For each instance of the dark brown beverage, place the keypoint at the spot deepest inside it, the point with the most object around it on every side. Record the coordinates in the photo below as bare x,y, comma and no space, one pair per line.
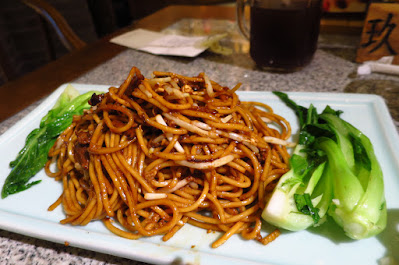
284,39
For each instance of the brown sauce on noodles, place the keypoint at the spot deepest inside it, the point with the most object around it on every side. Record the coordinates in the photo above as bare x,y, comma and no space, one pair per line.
154,154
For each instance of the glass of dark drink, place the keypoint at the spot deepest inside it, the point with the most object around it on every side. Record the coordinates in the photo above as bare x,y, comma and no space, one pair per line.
282,33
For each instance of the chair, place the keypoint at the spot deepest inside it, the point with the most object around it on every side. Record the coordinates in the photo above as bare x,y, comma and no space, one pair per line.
33,33
65,33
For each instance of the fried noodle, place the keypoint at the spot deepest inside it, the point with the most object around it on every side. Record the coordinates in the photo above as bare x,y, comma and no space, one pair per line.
154,154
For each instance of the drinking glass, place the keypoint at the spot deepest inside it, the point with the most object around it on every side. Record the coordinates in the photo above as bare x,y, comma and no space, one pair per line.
282,33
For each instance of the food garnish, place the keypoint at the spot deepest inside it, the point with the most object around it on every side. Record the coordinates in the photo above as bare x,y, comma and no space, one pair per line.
33,156
334,172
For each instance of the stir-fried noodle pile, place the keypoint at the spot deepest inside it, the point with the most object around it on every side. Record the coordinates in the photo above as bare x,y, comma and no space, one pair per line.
155,154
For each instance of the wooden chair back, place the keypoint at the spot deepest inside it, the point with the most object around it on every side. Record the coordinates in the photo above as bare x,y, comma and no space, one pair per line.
65,33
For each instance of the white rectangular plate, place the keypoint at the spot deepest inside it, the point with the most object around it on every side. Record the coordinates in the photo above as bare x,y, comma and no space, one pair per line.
26,212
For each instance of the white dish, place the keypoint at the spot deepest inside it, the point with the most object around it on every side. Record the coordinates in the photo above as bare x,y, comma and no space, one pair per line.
26,212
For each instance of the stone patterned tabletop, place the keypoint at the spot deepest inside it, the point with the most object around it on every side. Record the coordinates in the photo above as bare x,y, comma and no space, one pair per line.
332,70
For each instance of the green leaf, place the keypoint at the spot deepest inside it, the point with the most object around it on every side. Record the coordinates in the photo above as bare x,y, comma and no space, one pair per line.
298,163
301,112
329,110
359,152
305,206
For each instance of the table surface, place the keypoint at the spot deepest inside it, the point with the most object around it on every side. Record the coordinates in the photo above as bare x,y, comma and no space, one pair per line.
332,70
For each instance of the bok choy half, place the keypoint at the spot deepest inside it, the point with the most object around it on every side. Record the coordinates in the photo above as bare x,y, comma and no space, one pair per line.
33,156
333,171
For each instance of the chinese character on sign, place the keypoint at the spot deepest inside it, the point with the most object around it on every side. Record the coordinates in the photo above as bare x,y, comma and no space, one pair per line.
384,33
380,36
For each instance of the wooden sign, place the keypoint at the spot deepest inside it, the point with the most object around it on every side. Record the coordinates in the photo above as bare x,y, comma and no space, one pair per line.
380,36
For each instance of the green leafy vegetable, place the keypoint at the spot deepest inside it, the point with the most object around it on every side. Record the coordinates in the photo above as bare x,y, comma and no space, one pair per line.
33,156
337,174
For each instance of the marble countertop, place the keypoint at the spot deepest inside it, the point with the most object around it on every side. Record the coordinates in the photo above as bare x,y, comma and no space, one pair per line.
332,70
